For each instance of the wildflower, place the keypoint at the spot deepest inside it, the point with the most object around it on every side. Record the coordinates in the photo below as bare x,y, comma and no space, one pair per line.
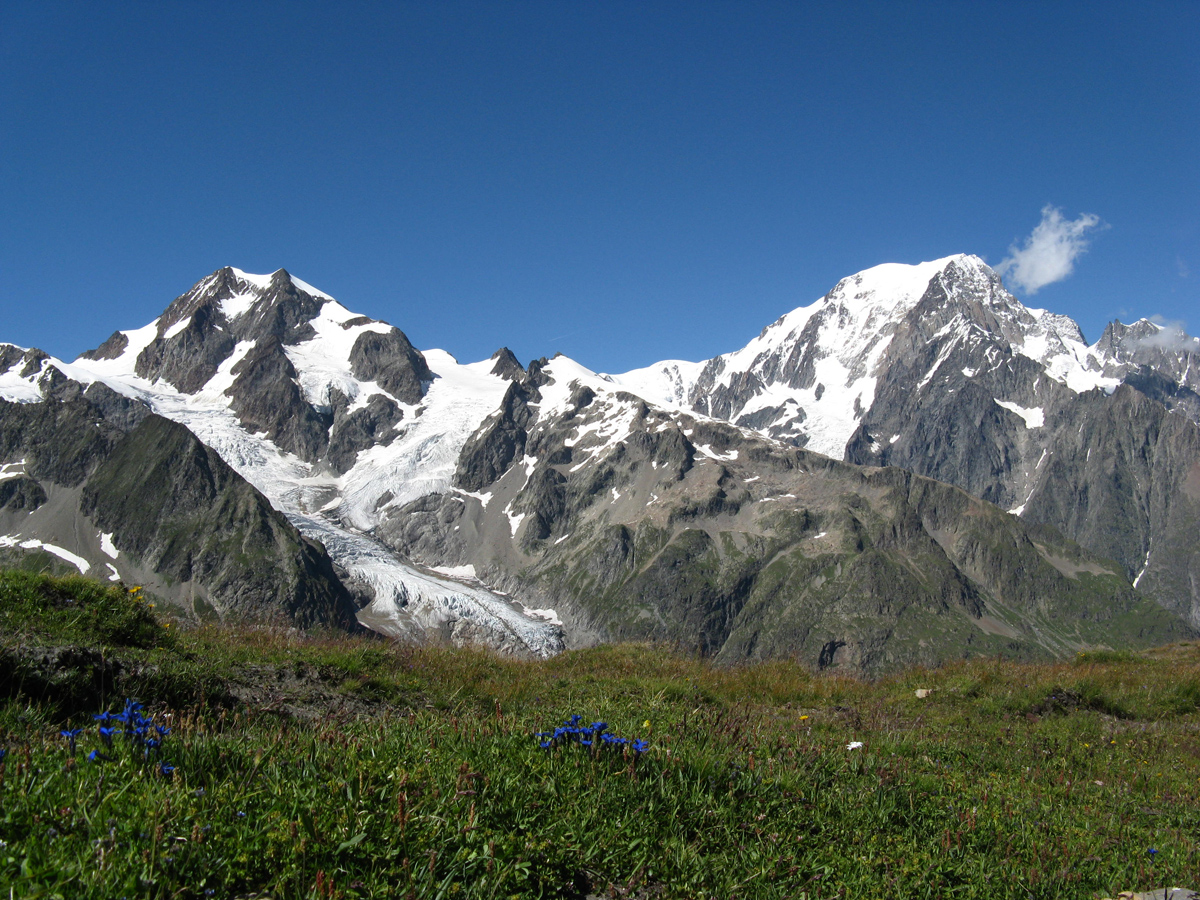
106,735
240,814
646,724
97,756
640,746
70,735
1152,851
165,770
802,718
854,745
3,753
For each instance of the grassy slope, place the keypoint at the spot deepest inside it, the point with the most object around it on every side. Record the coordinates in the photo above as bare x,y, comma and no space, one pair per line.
399,771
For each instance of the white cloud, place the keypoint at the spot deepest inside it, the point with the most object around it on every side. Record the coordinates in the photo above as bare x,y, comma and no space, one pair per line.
1050,251
1170,336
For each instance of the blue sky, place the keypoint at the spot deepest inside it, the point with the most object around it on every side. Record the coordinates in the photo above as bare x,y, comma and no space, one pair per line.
622,182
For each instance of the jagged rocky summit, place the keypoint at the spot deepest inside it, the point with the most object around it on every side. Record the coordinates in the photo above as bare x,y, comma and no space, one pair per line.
938,369
531,509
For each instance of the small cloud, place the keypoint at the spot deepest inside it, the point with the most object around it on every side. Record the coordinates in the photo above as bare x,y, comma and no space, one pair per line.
1050,251
1184,271
1170,336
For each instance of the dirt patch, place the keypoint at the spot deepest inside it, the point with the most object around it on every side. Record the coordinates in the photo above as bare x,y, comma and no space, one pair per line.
1071,568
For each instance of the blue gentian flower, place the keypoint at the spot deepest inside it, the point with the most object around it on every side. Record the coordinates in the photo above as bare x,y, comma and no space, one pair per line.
106,735
165,770
70,735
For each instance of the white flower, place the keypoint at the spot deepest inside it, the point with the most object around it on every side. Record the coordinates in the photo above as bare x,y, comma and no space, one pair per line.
854,745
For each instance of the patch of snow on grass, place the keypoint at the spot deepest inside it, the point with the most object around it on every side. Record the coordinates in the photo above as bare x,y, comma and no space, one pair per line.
33,544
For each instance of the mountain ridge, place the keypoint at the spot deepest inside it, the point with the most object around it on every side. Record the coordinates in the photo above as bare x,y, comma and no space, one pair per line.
357,436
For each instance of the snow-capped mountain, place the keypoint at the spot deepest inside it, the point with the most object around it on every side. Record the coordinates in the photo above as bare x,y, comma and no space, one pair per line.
938,369
331,415
532,509
811,376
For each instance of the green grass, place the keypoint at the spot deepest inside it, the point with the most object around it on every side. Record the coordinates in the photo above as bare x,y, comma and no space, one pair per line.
338,767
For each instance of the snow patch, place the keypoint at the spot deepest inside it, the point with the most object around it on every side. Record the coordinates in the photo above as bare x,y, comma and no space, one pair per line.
33,544
467,571
1034,417
12,469
108,547
483,498
177,328
720,457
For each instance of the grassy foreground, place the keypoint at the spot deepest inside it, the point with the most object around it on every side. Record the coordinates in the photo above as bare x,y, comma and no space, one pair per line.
330,767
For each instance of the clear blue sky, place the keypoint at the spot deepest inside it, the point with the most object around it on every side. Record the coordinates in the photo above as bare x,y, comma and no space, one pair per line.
620,181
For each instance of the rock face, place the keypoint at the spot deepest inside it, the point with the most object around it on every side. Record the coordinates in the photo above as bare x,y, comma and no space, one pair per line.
175,505
155,505
637,523
242,337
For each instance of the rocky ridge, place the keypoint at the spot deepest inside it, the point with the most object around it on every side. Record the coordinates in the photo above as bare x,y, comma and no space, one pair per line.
938,369
530,509
640,523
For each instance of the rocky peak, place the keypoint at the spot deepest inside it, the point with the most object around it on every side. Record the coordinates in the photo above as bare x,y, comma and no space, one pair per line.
506,365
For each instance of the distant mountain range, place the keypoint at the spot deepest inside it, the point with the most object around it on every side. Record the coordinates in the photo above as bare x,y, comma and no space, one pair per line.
914,468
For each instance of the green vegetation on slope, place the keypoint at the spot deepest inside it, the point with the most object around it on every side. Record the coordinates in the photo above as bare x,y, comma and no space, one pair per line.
302,766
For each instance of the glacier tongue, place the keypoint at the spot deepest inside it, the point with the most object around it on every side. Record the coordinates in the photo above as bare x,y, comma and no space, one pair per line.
409,601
